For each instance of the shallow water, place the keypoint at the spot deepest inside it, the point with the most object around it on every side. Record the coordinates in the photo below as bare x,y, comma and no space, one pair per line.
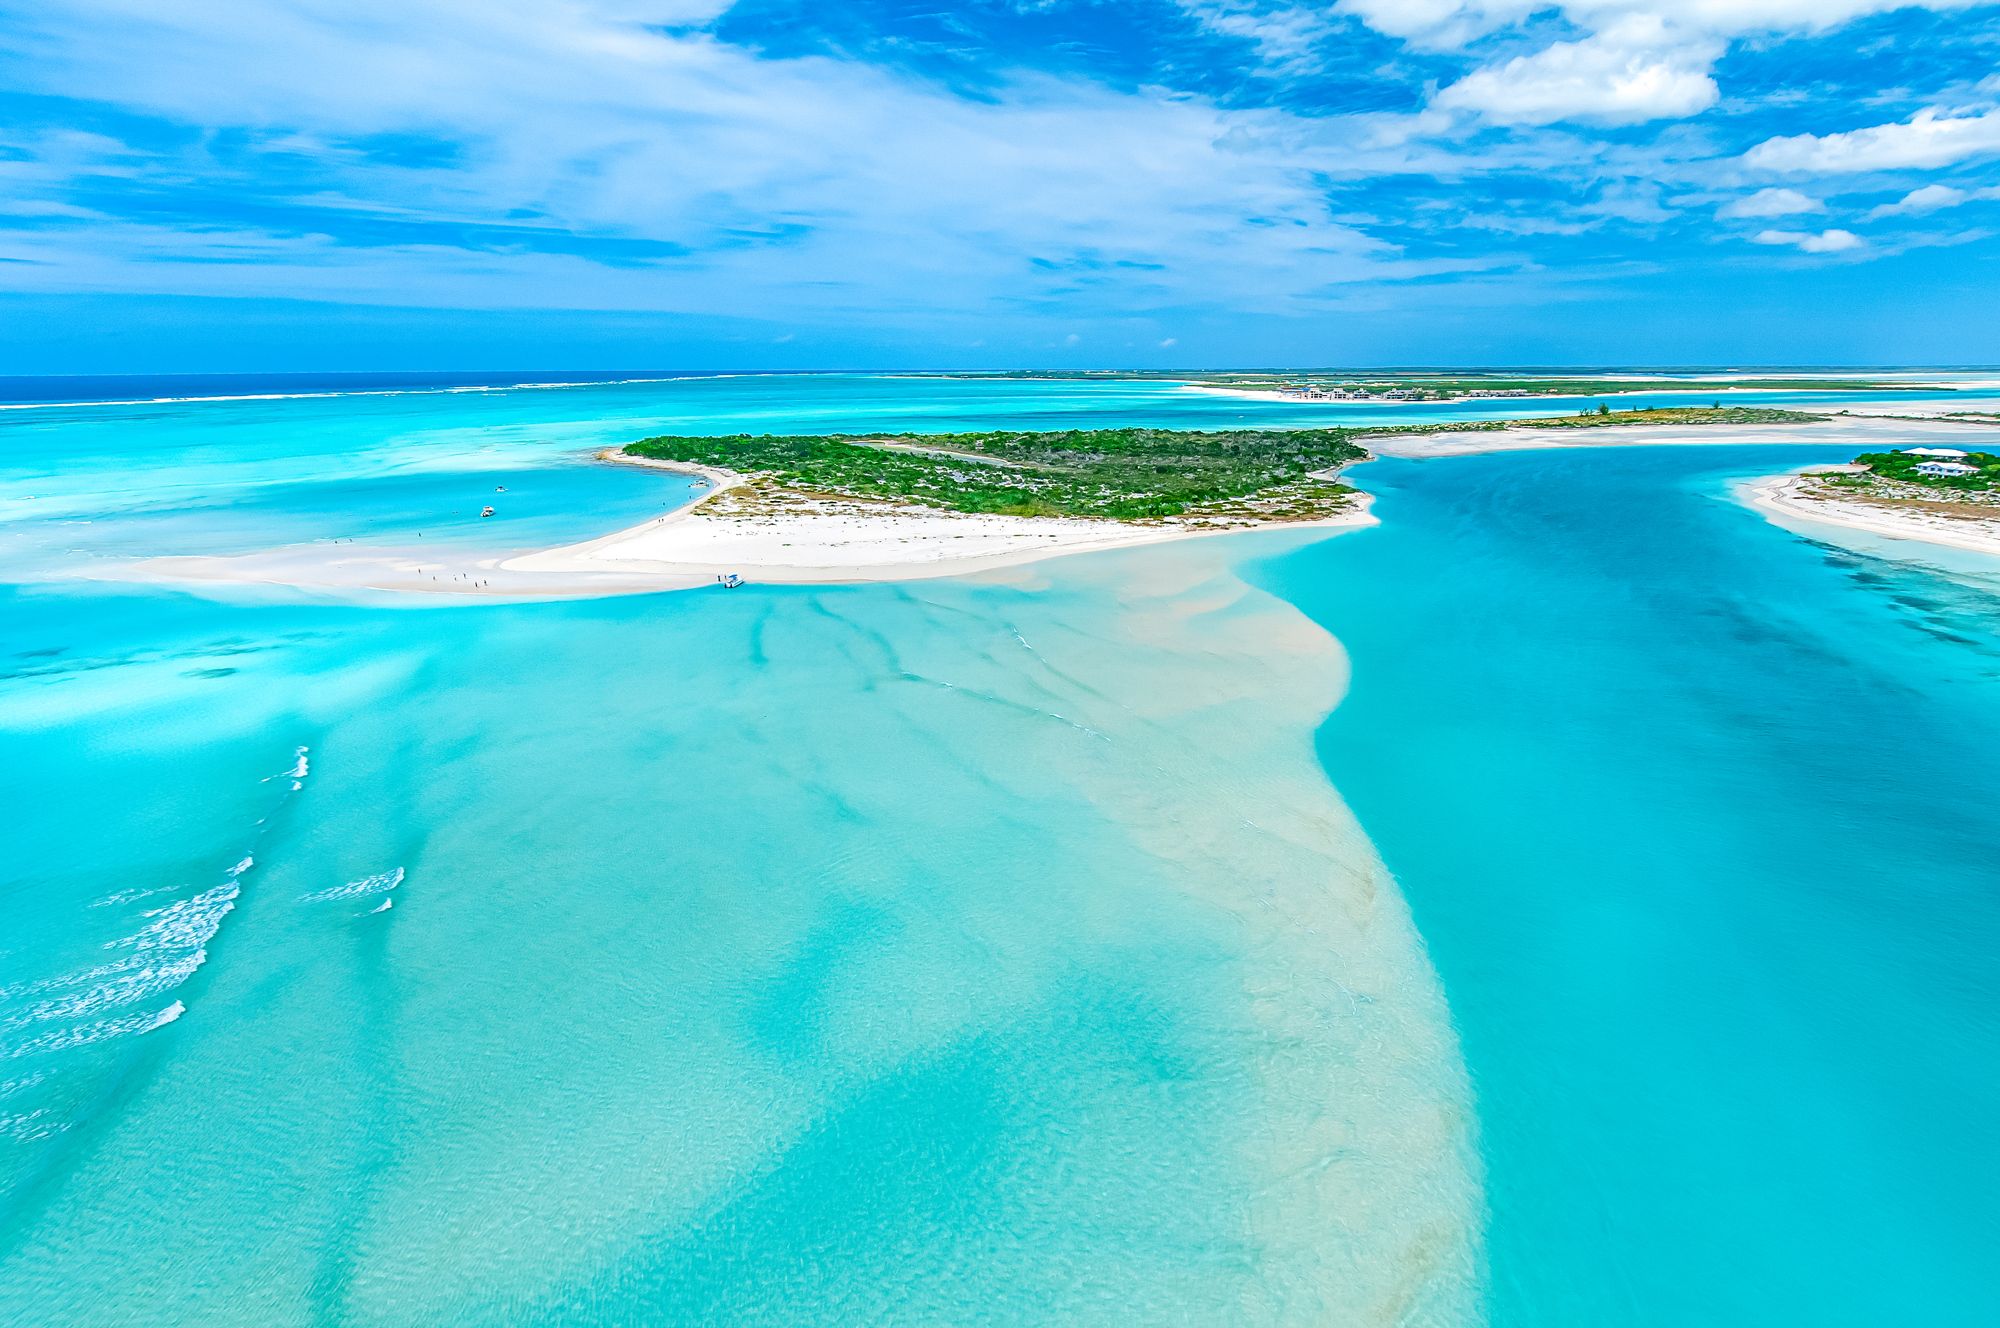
991,950
982,951
951,953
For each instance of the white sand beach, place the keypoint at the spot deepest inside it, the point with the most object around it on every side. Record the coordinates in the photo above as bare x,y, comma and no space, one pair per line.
1862,432
1793,500
817,541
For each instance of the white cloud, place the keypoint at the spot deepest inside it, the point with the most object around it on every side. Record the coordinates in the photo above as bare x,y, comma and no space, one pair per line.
1452,23
783,187
1638,60
1632,72
779,182
1930,139
1445,24
1284,36
1811,242
1932,198
1771,203
1737,18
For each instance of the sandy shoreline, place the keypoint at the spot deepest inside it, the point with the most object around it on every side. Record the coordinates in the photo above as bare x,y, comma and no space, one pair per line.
824,542
1783,498
1787,500
1632,388
1862,432
835,540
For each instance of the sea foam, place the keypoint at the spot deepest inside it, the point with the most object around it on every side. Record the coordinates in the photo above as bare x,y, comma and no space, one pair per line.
379,883
168,947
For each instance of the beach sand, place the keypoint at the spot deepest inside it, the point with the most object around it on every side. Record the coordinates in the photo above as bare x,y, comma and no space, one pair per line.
1790,500
1863,432
1784,498
804,541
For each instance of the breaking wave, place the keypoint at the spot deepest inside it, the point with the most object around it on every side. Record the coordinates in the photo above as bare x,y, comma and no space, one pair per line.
169,946
379,884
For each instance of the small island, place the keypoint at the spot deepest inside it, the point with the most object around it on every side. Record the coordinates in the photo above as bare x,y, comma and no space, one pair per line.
1938,495
1602,417
1354,387
1214,477
1387,386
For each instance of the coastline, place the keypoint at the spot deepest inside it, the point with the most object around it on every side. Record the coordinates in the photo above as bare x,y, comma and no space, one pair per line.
1786,501
1636,387
821,542
1834,428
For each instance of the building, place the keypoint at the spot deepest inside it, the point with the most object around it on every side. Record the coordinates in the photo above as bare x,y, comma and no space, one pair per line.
1945,470
1936,453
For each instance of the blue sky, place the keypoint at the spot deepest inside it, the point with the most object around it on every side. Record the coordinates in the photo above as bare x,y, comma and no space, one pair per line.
302,184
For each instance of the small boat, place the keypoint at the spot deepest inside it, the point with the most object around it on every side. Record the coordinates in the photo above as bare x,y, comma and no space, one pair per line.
486,511
499,488
730,581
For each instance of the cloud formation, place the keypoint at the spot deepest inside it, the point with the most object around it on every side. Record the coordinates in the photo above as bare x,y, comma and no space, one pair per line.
1770,203
1640,60
1032,165
1811,242
1627,74
1933,198
814,180
1929,139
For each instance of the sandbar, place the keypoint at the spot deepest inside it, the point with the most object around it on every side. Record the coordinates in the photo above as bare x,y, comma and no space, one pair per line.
810,540
1863,433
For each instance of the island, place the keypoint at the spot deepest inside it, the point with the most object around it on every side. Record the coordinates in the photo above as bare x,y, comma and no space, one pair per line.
1934,494
807,508
862,507
1436,388
1210,477
1390,386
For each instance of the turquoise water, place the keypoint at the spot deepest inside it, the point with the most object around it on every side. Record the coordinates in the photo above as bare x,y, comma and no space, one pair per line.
990,950
829,955
1695,816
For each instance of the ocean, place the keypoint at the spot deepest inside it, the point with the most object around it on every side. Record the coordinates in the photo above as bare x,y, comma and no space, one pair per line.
1567,902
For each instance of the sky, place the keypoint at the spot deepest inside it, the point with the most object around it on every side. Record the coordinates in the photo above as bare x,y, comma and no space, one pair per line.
266,185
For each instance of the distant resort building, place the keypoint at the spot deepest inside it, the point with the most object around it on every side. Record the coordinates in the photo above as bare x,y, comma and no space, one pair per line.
1945,470
1940,453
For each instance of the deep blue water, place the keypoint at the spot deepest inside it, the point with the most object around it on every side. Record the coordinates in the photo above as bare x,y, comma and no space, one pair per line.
1696,817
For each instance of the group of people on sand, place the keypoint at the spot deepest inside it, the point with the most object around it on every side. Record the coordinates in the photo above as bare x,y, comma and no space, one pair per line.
461,576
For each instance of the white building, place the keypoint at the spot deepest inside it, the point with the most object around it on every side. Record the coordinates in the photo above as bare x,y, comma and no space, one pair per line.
1945,470
1940,453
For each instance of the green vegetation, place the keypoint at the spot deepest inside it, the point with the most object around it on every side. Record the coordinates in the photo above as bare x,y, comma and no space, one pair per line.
1447,388
1604,417
1901,468
1233,475
1121,474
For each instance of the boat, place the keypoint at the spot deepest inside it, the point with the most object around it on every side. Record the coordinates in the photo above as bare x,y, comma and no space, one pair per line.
486,511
